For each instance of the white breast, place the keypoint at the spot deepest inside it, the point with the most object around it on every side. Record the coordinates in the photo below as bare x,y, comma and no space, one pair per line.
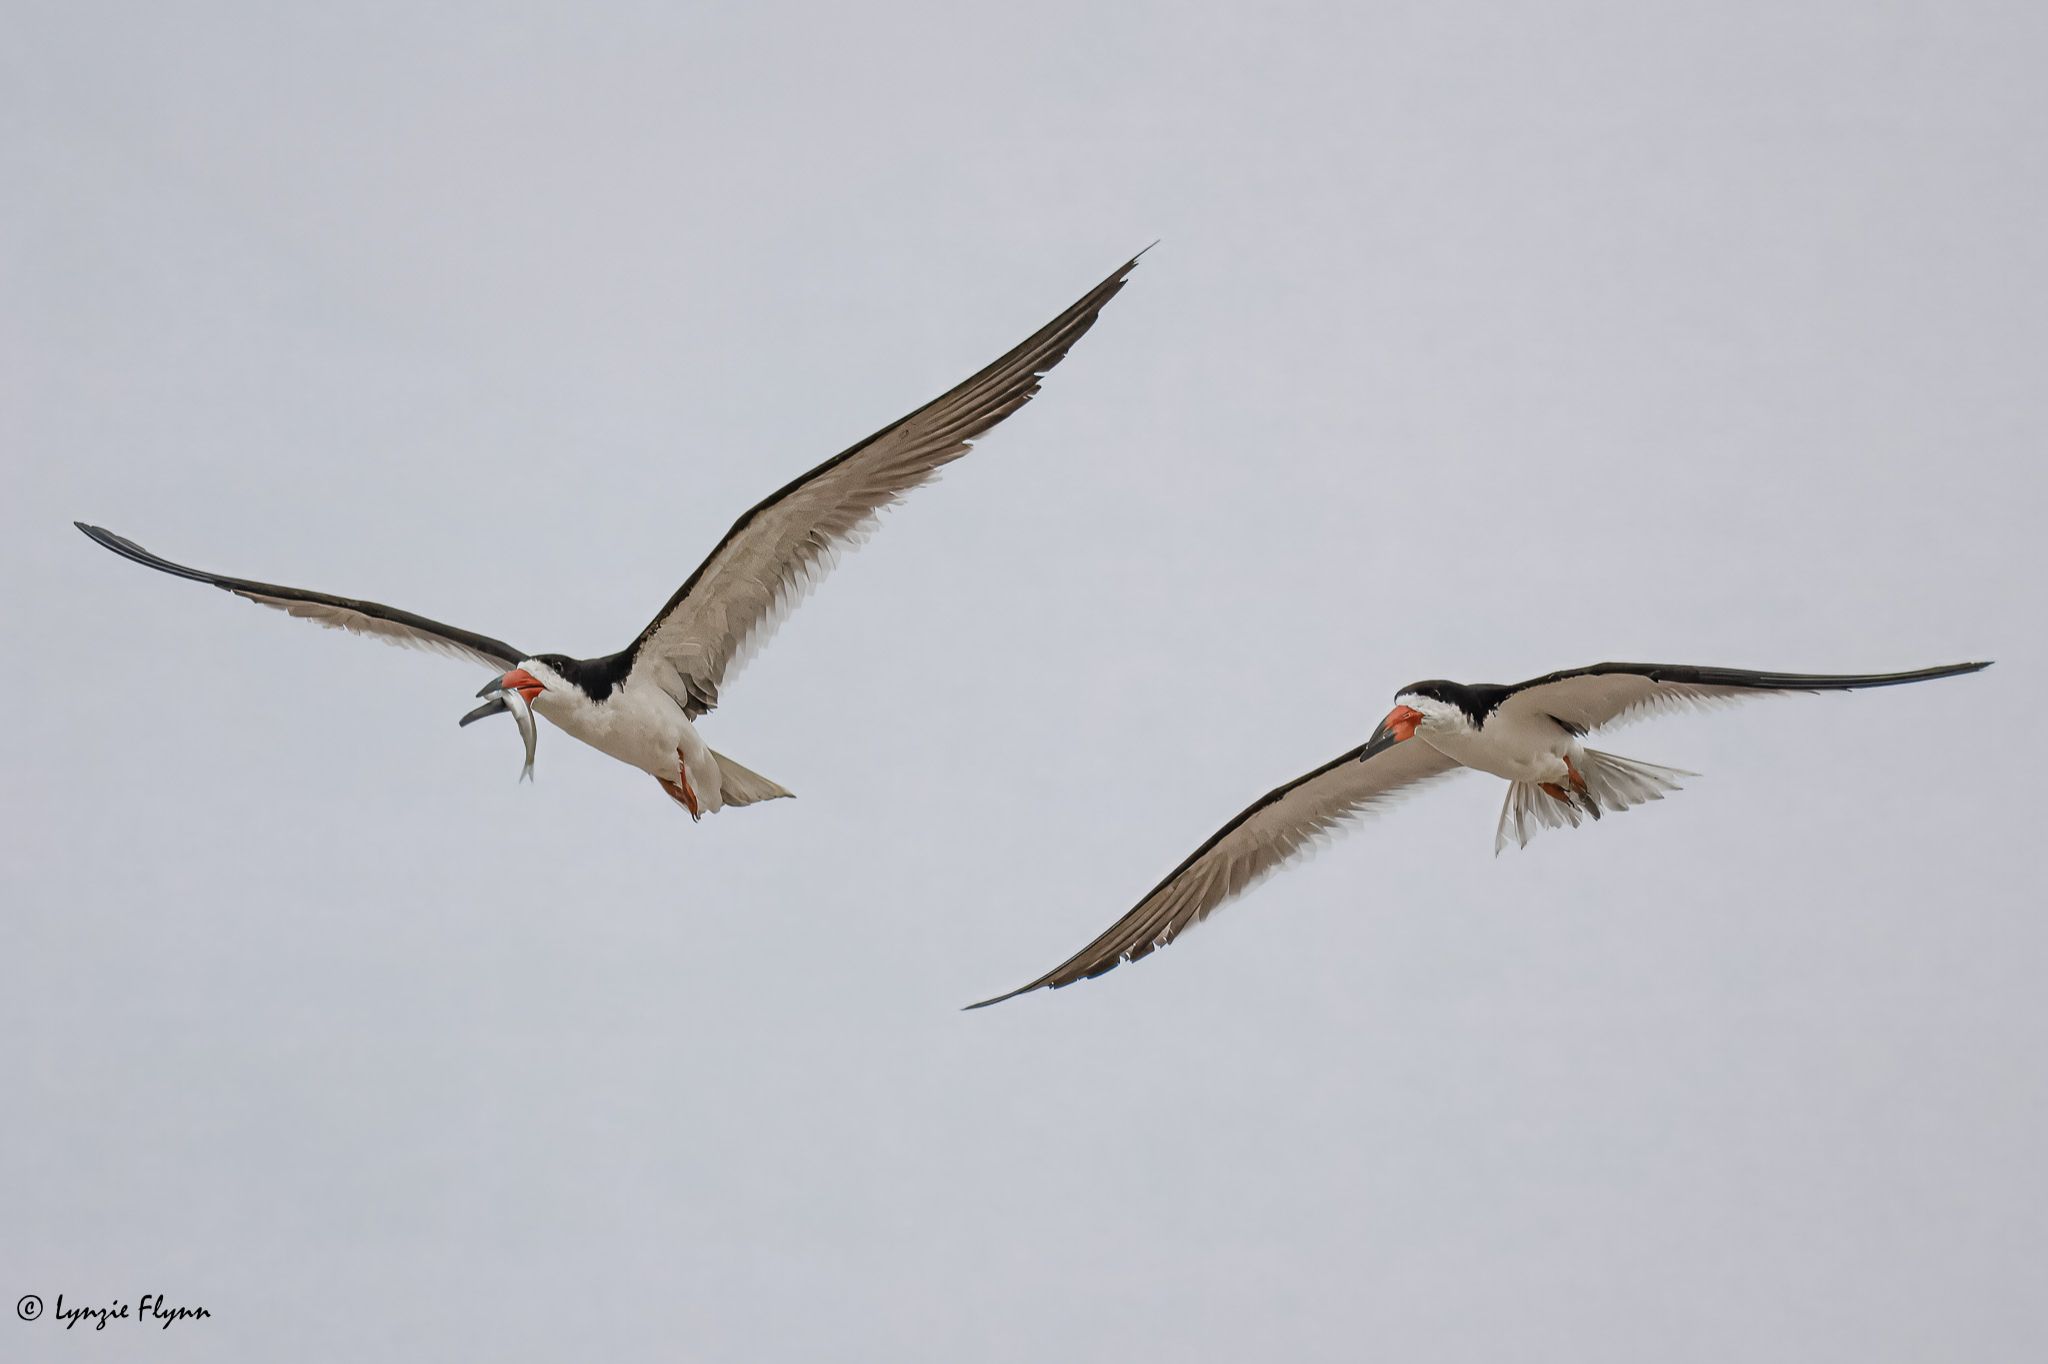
641,726
1519,748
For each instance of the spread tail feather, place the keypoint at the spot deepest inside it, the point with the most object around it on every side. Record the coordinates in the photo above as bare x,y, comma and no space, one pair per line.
742,786
1612,783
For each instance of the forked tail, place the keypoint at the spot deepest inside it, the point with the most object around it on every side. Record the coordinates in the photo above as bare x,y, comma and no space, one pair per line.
743,786
736,786
1610,783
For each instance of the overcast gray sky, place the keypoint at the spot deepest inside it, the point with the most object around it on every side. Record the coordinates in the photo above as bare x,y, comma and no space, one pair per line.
1483,340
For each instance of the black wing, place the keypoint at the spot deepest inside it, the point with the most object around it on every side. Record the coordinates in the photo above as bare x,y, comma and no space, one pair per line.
387,623
1606,693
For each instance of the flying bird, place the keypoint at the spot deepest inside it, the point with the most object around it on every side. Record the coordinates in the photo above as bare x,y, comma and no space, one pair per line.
1528,733
640,705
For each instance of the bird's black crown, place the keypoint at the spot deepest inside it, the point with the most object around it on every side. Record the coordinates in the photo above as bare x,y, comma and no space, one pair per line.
595,677
1476,702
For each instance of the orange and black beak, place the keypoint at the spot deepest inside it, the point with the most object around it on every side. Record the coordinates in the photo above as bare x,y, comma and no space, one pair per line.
521,681
1398,727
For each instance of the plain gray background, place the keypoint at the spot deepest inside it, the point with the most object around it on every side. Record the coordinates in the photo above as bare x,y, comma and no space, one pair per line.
1484,340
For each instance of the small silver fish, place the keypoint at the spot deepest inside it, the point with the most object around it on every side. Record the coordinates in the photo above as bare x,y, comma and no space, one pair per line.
522,711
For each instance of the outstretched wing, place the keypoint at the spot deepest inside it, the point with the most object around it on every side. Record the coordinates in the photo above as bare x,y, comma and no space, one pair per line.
1586,699
781,547
387,623
1278,827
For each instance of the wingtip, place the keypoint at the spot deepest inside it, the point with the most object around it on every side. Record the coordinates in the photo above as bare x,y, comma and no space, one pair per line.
1123,271
101,536
983,1004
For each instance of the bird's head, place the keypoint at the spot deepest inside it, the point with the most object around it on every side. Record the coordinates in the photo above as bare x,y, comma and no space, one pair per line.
1419,708
1432,707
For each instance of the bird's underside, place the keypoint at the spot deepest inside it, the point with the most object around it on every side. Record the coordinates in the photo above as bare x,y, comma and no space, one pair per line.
1595,784
1528,733
638,704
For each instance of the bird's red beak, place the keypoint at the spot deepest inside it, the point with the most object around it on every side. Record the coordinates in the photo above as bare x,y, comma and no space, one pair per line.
1401,722
523,682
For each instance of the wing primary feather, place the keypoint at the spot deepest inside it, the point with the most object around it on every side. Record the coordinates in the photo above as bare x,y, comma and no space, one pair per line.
1585,699
388,623
1761,681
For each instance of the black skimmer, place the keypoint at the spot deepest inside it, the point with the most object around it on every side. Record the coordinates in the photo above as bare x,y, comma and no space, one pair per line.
639,704
1528,733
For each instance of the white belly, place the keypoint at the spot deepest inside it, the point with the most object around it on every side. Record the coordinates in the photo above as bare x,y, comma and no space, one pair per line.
1521,750
642,727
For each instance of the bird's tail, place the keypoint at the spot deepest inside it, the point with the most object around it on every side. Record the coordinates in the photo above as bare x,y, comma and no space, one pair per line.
742,786
1610,783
